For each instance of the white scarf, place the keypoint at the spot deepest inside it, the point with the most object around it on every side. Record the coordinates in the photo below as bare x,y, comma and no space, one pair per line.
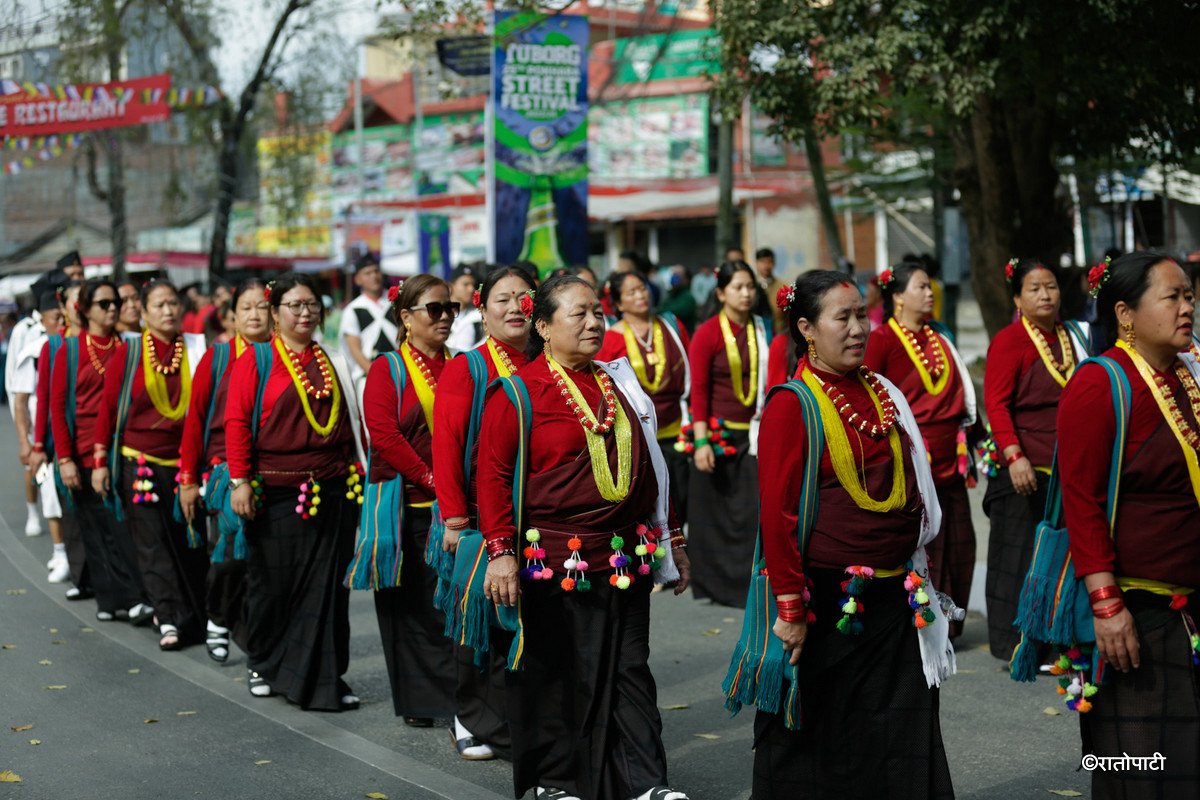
342,370
626,381
968,385
937,654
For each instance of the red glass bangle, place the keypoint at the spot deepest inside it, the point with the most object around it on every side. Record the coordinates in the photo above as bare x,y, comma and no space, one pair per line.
499,547
1109,611
1014,458
792,615
795,602
1104,593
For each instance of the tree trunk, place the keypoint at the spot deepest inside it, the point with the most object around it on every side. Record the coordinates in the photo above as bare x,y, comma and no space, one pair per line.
116,206
227,177
724,188
816,165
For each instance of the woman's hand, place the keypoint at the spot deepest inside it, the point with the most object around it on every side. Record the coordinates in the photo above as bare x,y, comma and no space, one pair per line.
1117,639
242,501
706,459
684,564
36,459
99,478
189,501
501,583
792,635
454,528
1023,475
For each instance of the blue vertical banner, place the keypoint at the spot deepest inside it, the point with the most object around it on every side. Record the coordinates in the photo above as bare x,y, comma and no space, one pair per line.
434,240
540,138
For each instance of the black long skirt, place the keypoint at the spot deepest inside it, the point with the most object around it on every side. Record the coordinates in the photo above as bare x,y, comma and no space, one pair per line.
869,723
952,552
297,611
584,710
678,472
1014,519
420,658
225,592
172,572
111,557
1152,709
722,524
73,540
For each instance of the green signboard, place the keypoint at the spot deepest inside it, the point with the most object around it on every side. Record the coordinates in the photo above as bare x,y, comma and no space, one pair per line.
679,54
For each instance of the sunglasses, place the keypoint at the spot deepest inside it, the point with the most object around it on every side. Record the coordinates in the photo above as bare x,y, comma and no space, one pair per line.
436,310
106,304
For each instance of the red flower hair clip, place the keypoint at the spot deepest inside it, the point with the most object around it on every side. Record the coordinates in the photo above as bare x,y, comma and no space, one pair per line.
526,302
885,279
1009,268
267,290
394,292
785,297
1098,276
477,297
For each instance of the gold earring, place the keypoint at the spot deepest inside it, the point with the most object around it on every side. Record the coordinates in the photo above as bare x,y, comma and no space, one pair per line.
812,348
1130,336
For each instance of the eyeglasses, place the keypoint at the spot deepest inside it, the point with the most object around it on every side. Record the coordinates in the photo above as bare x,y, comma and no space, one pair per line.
298,307
435,310
106,304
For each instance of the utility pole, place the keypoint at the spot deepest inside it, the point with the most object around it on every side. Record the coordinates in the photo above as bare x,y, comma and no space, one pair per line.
724,188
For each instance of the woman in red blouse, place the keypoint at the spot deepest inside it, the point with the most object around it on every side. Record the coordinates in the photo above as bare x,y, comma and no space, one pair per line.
657,348
420,659
112,563
728,356
1028,365
1142,574
480,725
140,421
871,654
582,710
923,362
203,447
291,466
43,442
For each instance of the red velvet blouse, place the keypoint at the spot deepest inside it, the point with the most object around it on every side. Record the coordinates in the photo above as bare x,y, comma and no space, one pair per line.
89,386
1158,518
194,459
451,419
561,498
777,361
41,417
401,442
288,450
1020,395
843,534
712,380
666,399
938,416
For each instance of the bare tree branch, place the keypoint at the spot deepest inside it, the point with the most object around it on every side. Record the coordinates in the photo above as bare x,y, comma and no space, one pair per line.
89,150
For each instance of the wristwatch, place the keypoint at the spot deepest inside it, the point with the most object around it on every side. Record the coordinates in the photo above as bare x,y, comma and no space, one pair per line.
237,482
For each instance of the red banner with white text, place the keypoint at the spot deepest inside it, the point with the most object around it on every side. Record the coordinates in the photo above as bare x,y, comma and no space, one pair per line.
40,109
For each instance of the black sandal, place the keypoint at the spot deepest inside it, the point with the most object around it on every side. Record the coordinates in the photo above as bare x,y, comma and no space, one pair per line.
169,638
662,793
550,793
217,643
418,722
258,685
463,745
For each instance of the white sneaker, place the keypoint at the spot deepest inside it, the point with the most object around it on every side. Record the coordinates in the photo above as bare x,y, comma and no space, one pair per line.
60,570
33,525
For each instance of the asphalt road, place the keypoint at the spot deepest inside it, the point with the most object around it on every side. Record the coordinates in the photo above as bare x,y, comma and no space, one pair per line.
112,716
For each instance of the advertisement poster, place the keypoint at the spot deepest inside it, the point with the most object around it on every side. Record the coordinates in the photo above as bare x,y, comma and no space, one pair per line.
40,109
541,141
434,231
649,138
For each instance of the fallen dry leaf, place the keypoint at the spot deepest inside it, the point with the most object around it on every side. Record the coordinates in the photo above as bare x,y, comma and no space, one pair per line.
45,662
728,619
710,736
377,796
35,742
260,762
8,776
712,632
19,728
57,641
1051,711
185,713
8,647
150,721
1065,792
58,687
675,707
14,592
966,672
54,630
240,679
87,630
134,671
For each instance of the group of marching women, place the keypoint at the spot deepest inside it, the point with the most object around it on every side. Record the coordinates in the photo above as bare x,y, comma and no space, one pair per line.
512,508
1094,554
